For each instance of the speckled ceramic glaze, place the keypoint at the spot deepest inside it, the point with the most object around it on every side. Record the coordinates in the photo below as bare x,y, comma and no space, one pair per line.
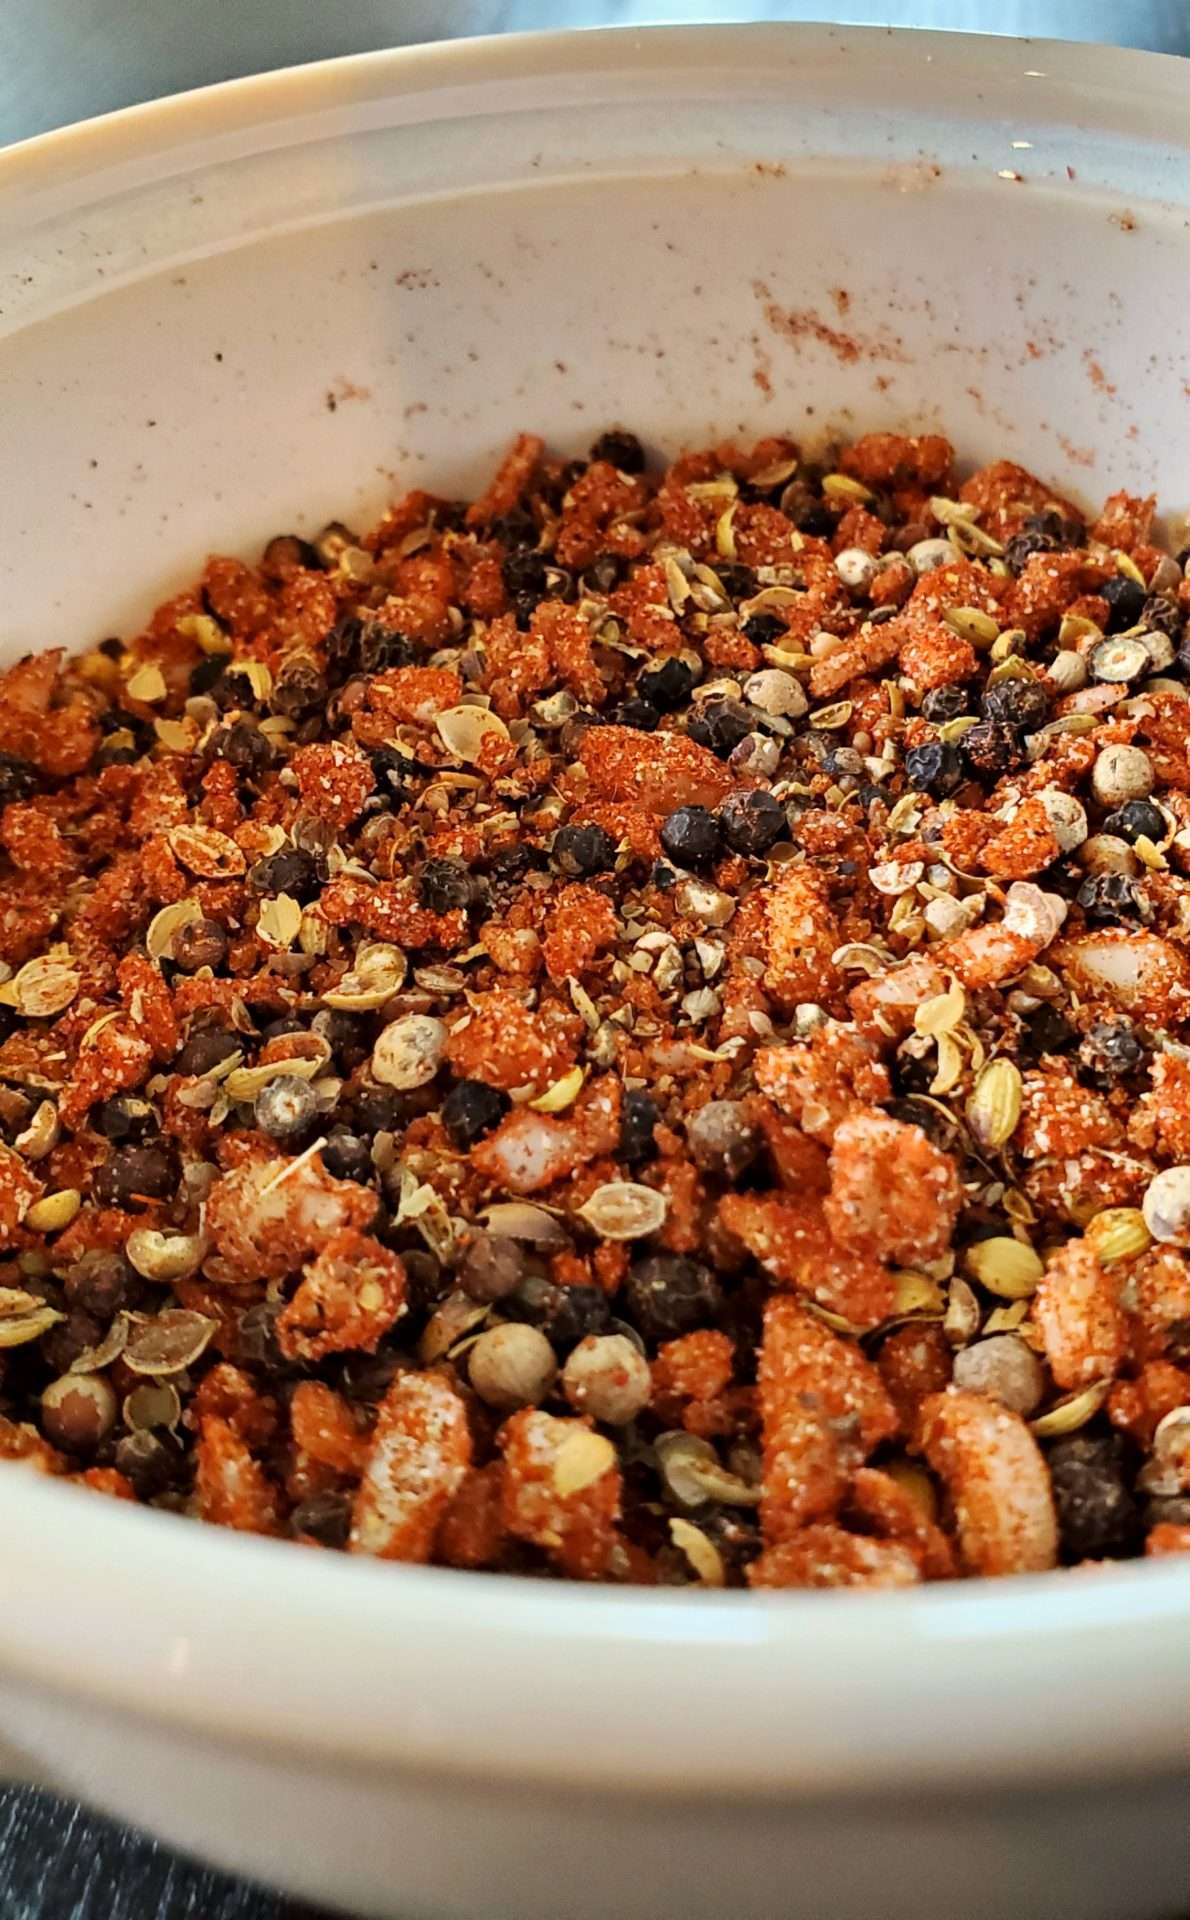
252,308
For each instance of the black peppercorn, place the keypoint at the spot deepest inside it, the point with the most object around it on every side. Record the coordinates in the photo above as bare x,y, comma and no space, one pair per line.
1125,602
622,449
764,629
291,870
668,686
637,714
691,837
583,850
18,778
565,1315
1023,704
1136,820
719,725
666,1294
205,1048
1111,1051
381,648
324,1517
944,703
605,572
470,1110
444,886
136,1173
200,943
990,748
346,1157
751,821
935,767
1096,1511
1048,1031
1113,899
638,1120
125,1118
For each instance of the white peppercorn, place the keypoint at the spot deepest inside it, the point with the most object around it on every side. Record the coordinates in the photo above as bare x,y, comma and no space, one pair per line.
1107,853
78,1411
607,1377
776,693
925,555
1122,773
1166,1206
512,1366
1004,1368
856,568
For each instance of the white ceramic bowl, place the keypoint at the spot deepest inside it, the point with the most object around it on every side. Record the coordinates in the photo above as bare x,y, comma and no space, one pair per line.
245,310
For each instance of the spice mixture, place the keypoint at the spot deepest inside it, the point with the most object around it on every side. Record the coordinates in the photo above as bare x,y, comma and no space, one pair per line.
635,1029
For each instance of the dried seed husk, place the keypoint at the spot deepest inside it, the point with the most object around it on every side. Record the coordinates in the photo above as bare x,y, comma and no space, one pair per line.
54,1210
1005,1267
207,632
562,1094
164,1256
152,1405
701,1551
43,986
176,736
623,1210
244,1083
206,852
953,730
463,730
14,1301
961,1320
1118,1233
521,1220
95,1359
941,1013
166,924
916,1294
841,487
1072,1411
695,1475
1007,1319
950,1065
1126,565
18,1329
147,684
279,921
378,972
582,1459
451,1321
970,624
42,1133
836,715
724,534
169,1343
994,1107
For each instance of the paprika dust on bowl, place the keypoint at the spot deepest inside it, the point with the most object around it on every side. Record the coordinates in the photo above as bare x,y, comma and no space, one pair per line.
600,995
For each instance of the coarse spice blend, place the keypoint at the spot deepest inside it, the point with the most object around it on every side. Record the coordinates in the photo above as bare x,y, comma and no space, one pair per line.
636,1029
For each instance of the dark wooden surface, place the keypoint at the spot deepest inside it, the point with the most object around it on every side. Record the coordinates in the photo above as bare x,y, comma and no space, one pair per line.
59,1863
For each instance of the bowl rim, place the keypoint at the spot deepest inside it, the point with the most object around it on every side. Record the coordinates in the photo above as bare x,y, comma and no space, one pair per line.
782,1695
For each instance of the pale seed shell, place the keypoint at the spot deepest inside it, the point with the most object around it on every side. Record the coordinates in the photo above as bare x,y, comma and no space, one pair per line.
941,1013
1119,1233
581,1460
841,486
562,1094
169,1343
520,1220
464,729
916,1293
17,1330
54,1210
623,1210
41,1135
970,624
995,1106
378,973
206,852
1006,1267
701,1551
279,921
695,1475
44,986
244,1083
950,1065
1072,1411
164,1256
147,683
152,1405
166,924
95,1359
